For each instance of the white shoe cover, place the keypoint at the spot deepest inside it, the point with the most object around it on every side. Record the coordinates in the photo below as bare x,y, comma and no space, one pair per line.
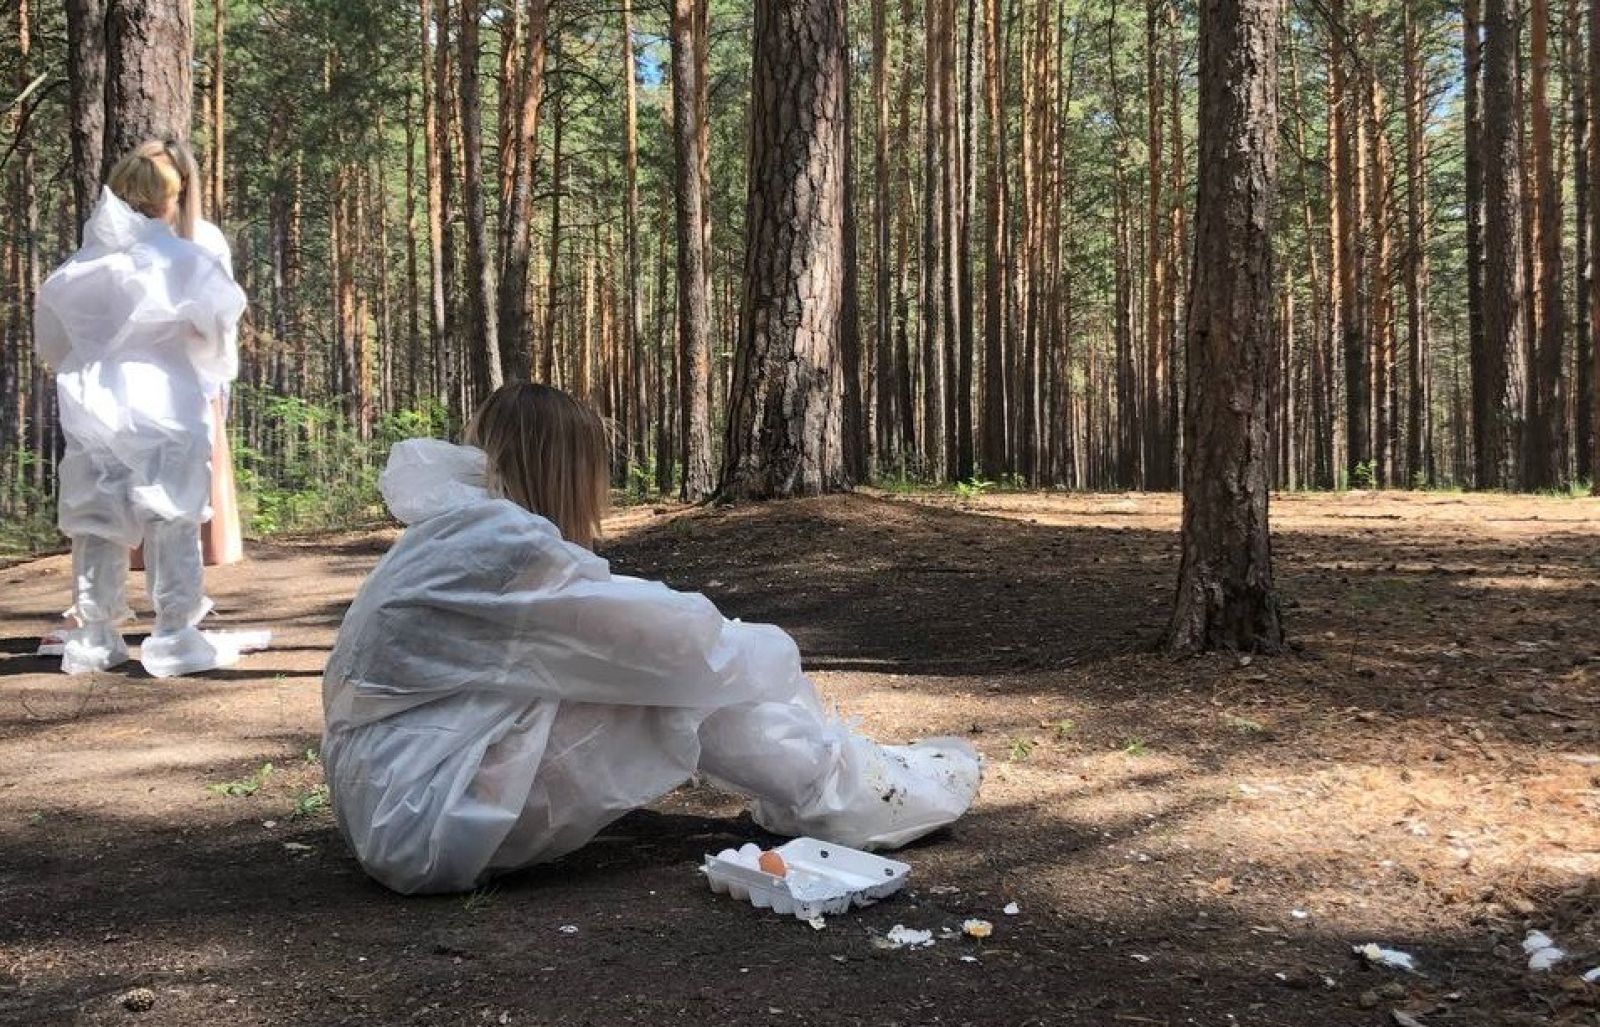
884,796
92,647
190,651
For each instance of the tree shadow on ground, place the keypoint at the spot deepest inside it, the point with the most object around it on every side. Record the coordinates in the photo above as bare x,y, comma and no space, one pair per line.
914,616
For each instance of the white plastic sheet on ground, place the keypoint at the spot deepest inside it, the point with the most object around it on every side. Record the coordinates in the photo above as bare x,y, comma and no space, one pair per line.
497,696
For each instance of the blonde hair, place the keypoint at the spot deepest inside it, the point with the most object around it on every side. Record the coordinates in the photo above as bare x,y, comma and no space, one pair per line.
154,174
548,453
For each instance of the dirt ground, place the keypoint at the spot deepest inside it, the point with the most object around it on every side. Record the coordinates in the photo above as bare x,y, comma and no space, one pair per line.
1188,842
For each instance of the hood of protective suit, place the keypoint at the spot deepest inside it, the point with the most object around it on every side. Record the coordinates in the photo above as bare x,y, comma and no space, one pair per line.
114,225
427,477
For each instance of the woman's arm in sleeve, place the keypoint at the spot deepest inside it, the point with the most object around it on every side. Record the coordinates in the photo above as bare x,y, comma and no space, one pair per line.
213,305
578,633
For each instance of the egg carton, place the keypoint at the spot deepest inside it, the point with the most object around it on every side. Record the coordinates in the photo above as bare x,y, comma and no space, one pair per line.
822,879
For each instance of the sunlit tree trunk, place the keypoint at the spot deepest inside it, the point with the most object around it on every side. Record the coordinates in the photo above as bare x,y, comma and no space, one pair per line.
1225,590
785,414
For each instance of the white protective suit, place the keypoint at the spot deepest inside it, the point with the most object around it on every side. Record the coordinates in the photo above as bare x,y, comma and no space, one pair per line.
141,328
497,696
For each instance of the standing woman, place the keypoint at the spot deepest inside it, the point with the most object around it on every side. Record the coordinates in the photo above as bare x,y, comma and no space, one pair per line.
141,327
222,539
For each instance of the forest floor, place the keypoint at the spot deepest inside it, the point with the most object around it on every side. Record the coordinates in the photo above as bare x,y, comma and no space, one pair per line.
1187,841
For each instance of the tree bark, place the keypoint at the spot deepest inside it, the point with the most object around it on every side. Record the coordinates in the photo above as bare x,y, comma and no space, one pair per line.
694,325
1497,380
882,218
633,284
1589,390
1582,125
1378,283
854,433
785,415
516,349
413,391
996,277
1157,465
86,82
553,300
484,345
1545,453
1419,428
936,256
1346,174
149,84
432,134
1472,147
216,189
1225,592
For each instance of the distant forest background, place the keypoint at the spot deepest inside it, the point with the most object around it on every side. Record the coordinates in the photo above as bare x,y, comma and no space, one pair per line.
425,198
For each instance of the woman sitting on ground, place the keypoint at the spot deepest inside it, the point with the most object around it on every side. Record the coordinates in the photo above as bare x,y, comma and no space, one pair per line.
497,696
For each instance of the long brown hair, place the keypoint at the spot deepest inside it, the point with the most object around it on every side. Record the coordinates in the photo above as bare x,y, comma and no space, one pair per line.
152,175
548,453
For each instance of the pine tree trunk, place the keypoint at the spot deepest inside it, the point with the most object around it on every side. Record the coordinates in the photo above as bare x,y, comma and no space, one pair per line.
452,380
1225,591
1419,430
216,189
694,327
1179,254
633,312
483,342
1346,172
1130,437
1582,125
432,133
149,84
1156,429
508,96
516,350
86,82
905,372
1320,471
1589,389
1496,381
1472,147
996,278
855,442
883,272
785,415
936,255
664,365
1379,282
962,456
553,299
17,365
413,389
1544,457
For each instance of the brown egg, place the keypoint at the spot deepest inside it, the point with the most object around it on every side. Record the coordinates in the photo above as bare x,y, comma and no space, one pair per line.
772,863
